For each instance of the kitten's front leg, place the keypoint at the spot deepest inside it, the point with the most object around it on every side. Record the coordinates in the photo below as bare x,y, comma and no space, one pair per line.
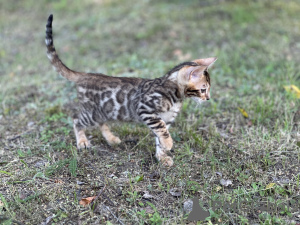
161,155
164,142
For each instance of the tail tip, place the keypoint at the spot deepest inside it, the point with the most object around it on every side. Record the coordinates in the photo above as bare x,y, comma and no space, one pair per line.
50,18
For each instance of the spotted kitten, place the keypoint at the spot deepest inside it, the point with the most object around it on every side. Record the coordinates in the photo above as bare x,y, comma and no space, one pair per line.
154,102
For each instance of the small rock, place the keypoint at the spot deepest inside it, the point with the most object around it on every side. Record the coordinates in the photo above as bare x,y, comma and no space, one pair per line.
126,173
80,182
147,195
223,135
40,163
205,175
49,218
225,182
175,192
30,124
284,181
256,87
112,176
219,173
188,206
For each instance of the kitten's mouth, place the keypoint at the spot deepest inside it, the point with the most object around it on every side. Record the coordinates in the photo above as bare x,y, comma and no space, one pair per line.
198,100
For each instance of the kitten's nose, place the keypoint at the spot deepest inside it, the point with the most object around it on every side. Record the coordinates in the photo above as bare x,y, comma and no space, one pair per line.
207,99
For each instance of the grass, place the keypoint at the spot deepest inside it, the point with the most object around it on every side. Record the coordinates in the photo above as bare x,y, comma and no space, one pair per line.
42,174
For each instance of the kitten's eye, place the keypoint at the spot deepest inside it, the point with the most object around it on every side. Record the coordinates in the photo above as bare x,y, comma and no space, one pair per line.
203,90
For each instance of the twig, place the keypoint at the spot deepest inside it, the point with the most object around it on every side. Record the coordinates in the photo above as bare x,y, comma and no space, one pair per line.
99,194
107,198
114,215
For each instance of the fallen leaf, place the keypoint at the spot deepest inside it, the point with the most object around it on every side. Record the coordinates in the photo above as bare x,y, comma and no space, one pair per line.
87,201
244,113
225,182
270,185
293,89
58,181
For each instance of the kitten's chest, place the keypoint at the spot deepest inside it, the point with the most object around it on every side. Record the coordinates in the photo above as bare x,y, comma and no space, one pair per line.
170,115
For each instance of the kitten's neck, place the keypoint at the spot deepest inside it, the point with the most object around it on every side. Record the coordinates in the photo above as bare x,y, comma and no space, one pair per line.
174,78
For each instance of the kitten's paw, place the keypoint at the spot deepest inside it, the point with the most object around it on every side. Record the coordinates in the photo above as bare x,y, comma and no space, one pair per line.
167,161
166,143
83,143
165,158
114,140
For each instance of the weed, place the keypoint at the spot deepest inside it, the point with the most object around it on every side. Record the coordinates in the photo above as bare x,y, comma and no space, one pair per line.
133,196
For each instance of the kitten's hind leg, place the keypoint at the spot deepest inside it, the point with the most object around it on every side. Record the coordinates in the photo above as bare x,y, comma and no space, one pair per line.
81,139
109,136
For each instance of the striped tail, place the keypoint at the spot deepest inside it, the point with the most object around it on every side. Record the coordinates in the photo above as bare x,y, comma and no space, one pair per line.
53,57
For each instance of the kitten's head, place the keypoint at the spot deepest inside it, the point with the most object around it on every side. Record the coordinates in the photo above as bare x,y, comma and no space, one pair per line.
196,80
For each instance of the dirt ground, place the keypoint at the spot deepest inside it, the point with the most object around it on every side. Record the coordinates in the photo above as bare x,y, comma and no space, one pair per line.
242,148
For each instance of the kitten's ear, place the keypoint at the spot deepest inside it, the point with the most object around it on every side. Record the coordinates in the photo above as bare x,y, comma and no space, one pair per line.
188,70
208,62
